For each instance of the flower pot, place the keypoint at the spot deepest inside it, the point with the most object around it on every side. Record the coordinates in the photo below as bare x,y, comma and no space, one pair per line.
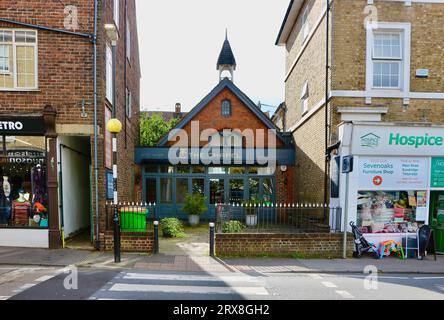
193,220
251,220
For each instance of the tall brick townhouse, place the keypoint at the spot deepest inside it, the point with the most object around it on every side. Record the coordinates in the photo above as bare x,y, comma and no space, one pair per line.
385,99
56,83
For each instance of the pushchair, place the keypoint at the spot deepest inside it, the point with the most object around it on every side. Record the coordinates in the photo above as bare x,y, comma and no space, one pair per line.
361,244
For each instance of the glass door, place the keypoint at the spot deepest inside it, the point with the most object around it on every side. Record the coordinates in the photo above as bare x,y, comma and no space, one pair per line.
217,191
236,191
150,190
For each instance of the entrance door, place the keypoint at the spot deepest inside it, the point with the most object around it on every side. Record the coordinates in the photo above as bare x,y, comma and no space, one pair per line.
151,190
217,191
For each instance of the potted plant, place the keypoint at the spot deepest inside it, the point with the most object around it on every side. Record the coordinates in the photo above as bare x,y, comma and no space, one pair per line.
251,209
194,207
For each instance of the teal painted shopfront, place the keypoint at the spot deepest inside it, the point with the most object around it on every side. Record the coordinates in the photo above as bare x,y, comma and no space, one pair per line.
167,186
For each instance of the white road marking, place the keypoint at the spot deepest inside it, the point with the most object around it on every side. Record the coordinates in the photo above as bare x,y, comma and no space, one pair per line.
2,298
329,284
315,276
428,278
27,286
44,278
143,276
123,287
344,294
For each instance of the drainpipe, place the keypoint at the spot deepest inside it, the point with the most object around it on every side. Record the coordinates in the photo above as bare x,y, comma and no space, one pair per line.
327,69
96,162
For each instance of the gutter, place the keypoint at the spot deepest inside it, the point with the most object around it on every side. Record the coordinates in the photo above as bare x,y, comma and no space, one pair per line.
39,27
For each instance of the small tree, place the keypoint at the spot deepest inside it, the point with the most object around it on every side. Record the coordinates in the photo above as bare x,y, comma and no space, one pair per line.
195,204
153,128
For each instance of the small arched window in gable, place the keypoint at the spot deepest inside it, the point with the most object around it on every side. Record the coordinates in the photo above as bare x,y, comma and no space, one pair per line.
226,108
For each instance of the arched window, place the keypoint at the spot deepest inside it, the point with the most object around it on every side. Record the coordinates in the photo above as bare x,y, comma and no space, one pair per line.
226,108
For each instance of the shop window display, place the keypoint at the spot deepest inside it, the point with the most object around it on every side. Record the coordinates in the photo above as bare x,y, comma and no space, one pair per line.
23,189
390,211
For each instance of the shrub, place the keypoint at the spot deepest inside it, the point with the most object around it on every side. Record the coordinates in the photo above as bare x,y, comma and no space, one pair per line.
172,228
195,204
232,226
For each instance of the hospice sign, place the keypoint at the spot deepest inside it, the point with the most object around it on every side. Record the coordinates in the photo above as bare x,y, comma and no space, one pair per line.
392,173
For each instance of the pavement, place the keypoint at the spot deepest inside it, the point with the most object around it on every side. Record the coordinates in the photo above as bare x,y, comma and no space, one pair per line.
190,254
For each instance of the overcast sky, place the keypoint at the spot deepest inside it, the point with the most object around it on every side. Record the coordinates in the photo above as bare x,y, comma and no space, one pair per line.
180,41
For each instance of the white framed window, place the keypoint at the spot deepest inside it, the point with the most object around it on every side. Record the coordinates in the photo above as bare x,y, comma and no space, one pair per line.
129,103
388,57
128,39
109,74
116,12
304,98
305,24
18,59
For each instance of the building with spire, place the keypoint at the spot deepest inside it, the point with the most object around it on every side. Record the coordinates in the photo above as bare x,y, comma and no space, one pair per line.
226,63
233,171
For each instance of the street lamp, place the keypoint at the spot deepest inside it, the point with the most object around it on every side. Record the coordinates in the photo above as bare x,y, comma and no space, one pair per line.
114,126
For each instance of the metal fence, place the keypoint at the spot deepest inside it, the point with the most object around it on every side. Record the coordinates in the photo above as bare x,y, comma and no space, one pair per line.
277,218
133,217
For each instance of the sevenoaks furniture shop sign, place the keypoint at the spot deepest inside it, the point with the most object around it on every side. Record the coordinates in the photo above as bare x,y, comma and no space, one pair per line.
392,173
398,141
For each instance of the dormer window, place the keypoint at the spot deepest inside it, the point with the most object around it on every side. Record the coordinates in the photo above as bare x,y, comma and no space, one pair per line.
226,108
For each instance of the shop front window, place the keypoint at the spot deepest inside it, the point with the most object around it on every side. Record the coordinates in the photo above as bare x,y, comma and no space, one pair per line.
267,185
181,190
166,190
391,211
23,187
236,190
198,186
254,188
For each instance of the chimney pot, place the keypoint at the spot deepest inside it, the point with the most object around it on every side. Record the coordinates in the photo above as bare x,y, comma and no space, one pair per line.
178,108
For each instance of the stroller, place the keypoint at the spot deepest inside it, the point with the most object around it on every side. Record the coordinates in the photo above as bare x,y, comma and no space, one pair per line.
361,244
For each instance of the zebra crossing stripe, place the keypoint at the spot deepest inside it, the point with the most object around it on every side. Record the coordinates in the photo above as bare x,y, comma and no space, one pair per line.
124,287
344,294
143,276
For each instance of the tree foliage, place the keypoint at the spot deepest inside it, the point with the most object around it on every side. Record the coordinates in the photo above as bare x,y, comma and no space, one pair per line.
153,128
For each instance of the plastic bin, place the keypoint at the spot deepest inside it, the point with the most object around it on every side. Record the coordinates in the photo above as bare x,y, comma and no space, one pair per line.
133,219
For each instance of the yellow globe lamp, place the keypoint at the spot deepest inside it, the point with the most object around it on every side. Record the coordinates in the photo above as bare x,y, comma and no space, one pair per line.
114,126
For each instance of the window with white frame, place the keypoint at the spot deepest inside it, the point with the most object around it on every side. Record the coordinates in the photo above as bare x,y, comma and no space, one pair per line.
109,74
305,24
388,56
18,59
304,98
128,39
116,12
129,103
387,60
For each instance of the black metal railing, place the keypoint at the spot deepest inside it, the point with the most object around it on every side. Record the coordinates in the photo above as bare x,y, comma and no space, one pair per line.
276,218
133,217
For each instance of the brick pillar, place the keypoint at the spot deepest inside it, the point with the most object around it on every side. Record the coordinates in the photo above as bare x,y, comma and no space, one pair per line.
49,117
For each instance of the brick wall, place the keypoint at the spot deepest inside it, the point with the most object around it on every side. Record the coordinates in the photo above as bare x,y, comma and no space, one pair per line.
65,70
130,242
242,118
303,245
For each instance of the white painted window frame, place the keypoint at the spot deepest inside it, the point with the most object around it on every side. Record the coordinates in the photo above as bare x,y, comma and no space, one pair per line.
304,98
128,39
129,103
116,12
305,24
405,29
14,57
109,73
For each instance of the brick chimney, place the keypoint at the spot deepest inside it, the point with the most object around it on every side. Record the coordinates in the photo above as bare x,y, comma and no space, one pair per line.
178,108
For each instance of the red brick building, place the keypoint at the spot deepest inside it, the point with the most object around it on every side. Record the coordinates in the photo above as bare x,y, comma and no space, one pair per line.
216,150
56,95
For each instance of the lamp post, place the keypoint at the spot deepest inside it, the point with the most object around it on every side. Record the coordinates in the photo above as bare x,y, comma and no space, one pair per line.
114,126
